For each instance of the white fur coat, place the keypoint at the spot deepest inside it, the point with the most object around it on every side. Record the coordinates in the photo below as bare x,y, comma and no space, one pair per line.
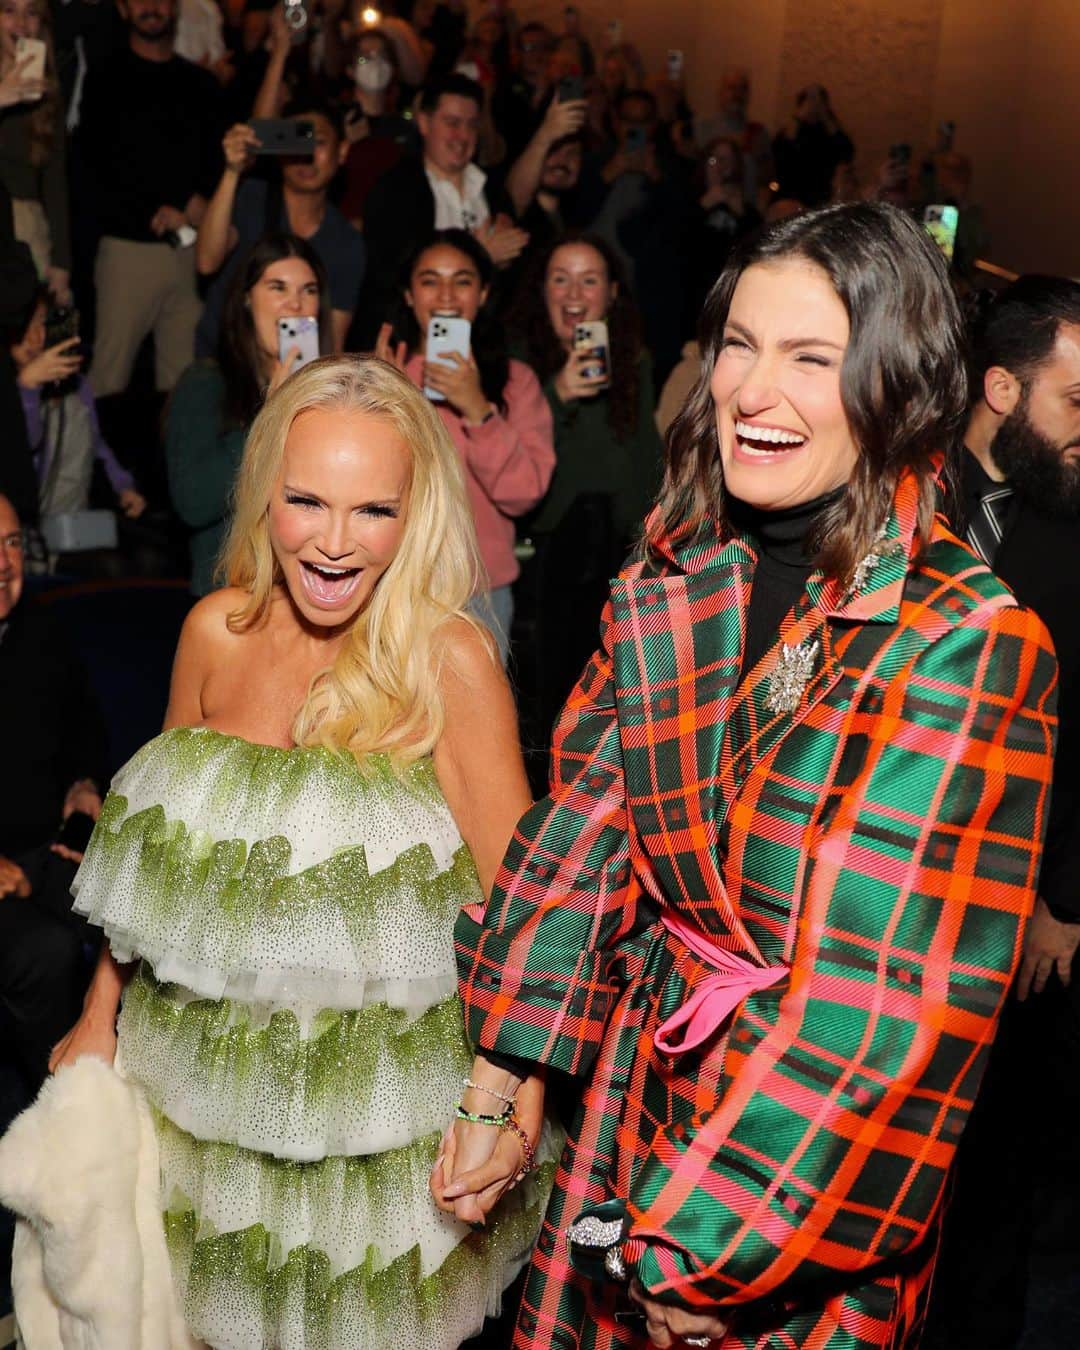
90,1270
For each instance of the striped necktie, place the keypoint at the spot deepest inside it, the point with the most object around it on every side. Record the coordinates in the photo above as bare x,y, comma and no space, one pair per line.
987,523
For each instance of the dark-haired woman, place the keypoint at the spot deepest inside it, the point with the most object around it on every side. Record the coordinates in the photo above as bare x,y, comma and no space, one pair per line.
771,910
607,463
215,400
492,406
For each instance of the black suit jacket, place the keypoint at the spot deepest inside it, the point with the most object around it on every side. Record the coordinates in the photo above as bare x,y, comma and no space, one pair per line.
399,214
1039,560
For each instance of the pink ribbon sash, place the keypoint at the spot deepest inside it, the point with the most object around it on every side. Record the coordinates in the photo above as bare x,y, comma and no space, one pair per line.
714,997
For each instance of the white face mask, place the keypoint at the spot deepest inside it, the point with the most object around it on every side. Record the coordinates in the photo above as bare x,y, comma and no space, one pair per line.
372,73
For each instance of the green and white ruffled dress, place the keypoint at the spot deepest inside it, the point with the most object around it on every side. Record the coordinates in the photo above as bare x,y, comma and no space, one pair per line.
295,1026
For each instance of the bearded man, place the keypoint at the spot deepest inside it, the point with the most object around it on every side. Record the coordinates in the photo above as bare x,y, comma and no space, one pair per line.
1018,505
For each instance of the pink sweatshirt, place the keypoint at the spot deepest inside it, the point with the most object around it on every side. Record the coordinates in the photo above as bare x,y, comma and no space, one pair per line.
508,463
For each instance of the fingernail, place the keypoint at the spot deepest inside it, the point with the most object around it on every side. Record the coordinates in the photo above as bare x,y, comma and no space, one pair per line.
455,1189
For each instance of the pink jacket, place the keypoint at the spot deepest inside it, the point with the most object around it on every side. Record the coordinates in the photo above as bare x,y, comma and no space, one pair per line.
508,463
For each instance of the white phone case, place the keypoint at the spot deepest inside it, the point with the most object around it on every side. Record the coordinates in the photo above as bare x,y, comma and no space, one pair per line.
445,335
35,49
302,333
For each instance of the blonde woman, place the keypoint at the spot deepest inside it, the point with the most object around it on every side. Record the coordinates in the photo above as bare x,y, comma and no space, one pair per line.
278,874
33,162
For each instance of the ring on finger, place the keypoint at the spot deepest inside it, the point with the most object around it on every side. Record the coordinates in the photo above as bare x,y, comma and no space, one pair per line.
697,1340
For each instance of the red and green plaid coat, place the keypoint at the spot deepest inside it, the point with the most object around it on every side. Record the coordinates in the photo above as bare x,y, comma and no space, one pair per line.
882,841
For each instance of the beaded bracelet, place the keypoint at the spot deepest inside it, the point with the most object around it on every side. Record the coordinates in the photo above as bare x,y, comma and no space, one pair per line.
528,1159
479,1087
476,1118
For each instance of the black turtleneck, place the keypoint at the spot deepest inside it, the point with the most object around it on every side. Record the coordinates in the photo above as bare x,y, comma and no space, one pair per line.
784,565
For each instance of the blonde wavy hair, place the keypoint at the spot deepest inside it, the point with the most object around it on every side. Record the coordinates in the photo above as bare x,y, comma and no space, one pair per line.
381,694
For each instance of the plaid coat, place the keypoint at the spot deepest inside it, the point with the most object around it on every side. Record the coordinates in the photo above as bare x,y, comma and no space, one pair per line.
882,841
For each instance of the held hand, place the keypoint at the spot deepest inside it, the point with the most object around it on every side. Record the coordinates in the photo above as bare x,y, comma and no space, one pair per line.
397,355
132,503
502,239
1049,945
13,880
281,370
563,119
16,88
82,796
239,145
166,219
571,383
89,1036
459,384
54,363
666,1325
480,1163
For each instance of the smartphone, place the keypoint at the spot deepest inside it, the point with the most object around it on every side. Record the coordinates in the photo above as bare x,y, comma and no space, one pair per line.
294,136
61,323
636,140
34,48
940,223
184,237
570,87
76,831
302,333
296,19
445,335
593,338
674,64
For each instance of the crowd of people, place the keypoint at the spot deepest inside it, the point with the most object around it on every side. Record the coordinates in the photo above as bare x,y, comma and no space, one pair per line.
397,335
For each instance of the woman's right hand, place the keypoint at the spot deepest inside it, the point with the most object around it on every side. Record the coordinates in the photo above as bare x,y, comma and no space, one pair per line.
240,145
397,354
54,363
91,1035
572,383
281,370
16,88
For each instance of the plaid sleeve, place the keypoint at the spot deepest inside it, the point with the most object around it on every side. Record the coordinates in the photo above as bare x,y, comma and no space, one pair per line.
845,1095
535,969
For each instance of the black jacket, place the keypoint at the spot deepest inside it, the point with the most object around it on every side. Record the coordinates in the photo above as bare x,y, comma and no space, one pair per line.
1037,560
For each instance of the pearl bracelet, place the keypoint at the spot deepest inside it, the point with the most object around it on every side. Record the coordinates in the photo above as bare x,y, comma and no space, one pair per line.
479,1087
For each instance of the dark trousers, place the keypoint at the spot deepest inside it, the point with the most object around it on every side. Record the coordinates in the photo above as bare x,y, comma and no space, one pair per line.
1016,1190
43,967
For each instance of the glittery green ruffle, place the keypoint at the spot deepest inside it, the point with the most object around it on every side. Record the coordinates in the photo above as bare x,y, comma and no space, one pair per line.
244,1288
190,905
355,1082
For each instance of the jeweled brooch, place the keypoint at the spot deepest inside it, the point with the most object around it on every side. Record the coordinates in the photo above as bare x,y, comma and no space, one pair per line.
790,676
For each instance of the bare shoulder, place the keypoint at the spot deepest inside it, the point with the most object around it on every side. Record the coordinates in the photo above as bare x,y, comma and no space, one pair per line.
467,659
205,642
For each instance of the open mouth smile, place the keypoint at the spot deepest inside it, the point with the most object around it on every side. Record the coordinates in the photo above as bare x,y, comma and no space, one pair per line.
763,444
329,587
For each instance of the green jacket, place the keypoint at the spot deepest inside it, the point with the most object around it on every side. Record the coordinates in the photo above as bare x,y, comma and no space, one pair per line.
202,455
591,459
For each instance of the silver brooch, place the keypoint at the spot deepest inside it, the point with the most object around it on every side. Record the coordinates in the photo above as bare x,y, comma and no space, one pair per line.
593,1232
883,548
790,676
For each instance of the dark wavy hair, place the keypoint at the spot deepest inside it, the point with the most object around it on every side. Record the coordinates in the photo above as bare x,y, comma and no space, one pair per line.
903,381
487,339
1017,328
238,349
530,326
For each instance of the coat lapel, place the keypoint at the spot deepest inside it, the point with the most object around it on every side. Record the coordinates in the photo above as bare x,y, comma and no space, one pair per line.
692,733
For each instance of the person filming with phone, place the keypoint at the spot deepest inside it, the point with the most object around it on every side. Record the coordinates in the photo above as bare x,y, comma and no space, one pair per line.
276,317
449,345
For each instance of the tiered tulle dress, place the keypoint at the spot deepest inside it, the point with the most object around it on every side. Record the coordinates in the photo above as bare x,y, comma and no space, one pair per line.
295,1025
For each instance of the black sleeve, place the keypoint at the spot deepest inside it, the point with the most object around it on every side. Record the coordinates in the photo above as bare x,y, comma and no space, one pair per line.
84,738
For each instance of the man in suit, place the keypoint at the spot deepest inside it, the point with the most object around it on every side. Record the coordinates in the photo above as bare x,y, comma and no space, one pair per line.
1018,504
442,189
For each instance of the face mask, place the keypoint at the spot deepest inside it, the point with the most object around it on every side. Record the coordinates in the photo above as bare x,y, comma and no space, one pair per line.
373,73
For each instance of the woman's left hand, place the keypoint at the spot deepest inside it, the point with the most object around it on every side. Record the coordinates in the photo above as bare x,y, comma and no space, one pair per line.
459,384
665,1325
478,1164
